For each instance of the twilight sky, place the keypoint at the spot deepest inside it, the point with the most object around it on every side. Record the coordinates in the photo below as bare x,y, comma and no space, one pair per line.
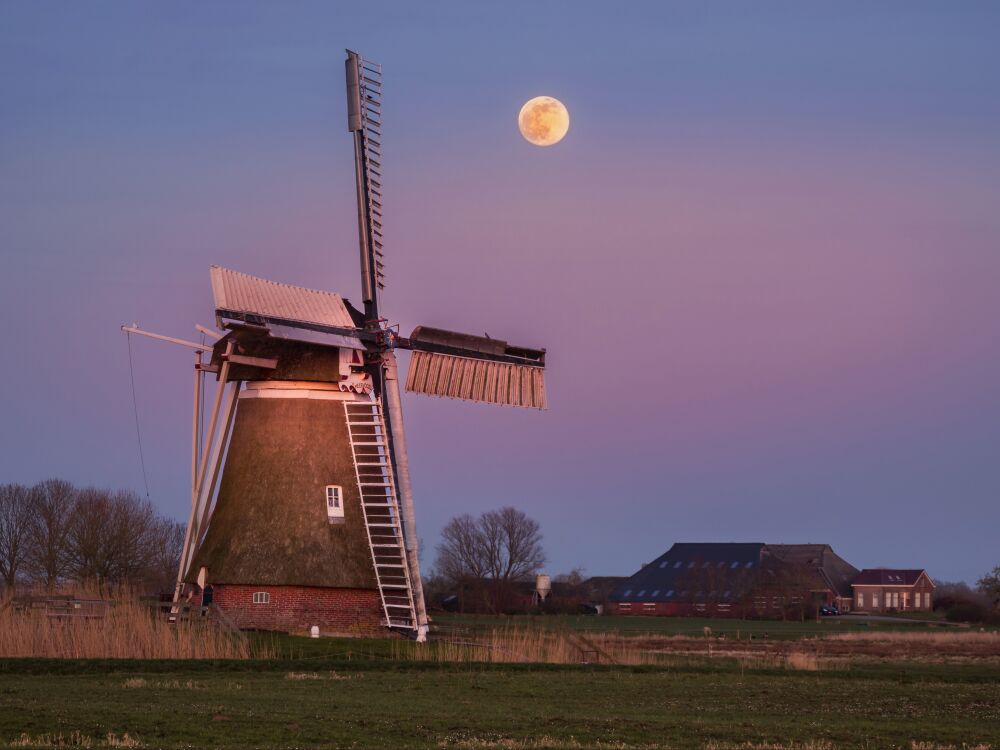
764,261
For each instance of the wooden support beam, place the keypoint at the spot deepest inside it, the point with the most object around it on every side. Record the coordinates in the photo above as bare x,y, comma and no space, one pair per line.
170,339
207,489
241,359
187,550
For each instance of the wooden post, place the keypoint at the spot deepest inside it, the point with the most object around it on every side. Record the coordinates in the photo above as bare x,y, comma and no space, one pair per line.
218,451
409,518
187,550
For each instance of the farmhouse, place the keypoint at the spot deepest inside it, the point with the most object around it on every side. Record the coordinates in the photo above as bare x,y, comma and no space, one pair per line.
737,580
891,590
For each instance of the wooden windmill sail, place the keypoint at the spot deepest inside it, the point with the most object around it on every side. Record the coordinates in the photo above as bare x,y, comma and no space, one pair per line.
302,509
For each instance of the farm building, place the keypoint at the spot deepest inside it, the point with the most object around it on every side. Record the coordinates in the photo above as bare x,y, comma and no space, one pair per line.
891,590
737,580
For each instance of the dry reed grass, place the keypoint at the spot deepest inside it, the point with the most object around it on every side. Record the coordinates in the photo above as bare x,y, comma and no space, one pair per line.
929,637
532,646
544,742
795,660
128,630
76,739
807,745
299,676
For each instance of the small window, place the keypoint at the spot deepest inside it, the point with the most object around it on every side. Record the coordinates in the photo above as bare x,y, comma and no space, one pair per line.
707,564
664,564
749,565
875,599
734,565
670,593
261,597
722,564
334,503
691,564
654,594
861,599
678,564
624,605
641,594
628,592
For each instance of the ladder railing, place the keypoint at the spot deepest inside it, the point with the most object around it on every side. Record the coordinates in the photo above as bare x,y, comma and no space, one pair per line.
380,509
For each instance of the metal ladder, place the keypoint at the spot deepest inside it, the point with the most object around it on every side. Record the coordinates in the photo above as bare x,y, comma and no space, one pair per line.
380,509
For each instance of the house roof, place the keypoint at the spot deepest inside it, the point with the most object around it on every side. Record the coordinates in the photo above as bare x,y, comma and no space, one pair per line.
692,571
725,572
835,571
888,577
242,294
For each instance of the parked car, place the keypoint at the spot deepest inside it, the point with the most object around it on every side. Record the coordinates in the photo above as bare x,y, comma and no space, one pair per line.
829,610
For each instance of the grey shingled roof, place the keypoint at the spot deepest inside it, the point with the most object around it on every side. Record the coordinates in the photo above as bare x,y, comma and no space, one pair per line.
693,571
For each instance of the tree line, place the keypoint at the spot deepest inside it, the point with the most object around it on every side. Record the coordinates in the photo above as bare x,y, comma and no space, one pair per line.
483,557
54,533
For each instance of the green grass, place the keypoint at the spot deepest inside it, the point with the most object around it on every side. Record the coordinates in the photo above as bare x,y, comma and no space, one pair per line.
372,702
637,625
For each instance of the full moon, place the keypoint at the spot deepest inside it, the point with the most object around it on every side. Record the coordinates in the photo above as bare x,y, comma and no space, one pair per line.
543,121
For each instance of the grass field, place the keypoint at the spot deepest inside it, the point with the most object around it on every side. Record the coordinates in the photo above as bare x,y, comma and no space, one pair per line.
630,625
324,703
510,683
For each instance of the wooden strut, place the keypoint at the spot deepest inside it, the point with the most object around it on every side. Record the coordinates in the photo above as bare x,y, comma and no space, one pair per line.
397,437
196,494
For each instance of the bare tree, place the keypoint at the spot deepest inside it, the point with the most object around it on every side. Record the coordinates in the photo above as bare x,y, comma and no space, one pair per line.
166,541
989,585
134,527
111,536
15,528
497,548
461,556
52,509
91,537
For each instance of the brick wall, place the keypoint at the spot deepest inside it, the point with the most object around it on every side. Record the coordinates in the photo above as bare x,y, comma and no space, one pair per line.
297,608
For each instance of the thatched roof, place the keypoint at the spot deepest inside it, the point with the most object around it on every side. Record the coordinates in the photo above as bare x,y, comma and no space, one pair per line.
270,525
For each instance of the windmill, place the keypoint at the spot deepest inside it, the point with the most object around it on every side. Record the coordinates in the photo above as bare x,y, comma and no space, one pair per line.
302,507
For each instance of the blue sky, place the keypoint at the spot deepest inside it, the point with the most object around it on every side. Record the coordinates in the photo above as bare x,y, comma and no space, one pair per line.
763,260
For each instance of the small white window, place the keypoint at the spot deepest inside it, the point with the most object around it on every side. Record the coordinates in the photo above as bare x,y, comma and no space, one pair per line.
334,502
261,597
875,599
861,599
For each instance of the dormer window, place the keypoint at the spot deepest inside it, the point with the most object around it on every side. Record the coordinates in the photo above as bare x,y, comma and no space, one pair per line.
334,503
